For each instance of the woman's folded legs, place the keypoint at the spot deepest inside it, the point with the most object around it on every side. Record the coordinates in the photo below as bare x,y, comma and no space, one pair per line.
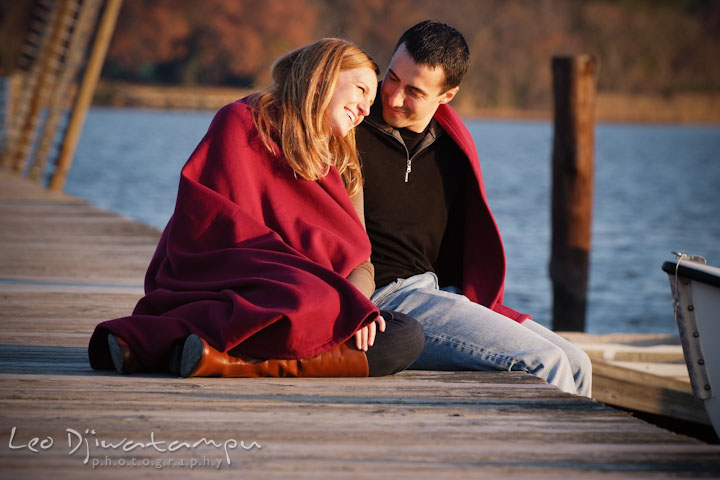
394,350
397,347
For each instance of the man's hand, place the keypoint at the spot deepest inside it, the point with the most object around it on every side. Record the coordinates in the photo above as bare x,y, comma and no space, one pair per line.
365,337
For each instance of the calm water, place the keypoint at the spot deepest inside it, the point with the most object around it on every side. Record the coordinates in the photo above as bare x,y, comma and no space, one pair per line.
656,190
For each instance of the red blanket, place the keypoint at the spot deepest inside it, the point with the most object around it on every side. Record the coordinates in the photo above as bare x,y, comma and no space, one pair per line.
252,258
483,266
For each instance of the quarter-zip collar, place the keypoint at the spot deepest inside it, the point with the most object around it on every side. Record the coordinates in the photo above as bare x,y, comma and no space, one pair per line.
376,121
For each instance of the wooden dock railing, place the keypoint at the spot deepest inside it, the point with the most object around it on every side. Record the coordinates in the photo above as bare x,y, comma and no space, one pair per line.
57,71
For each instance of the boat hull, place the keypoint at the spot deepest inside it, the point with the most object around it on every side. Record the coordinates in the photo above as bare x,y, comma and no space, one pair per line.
696,293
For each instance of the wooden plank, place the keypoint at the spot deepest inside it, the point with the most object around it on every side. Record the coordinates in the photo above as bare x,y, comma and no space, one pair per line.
629,347
636,390
675,371
636,339
646,373
463,424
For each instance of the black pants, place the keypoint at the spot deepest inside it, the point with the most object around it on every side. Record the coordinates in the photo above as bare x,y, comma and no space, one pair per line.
397,347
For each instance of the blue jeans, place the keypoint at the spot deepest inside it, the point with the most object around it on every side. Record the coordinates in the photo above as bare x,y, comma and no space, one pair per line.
462,335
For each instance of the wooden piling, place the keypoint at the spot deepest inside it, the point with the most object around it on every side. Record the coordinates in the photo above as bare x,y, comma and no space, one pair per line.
574,81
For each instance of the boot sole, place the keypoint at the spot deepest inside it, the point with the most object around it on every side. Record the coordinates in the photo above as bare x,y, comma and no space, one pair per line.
191,355
116,354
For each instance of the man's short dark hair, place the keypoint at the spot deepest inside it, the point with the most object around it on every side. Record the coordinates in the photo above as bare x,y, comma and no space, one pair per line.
433,43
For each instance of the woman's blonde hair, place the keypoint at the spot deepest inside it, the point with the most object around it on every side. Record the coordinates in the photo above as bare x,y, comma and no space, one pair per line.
292,111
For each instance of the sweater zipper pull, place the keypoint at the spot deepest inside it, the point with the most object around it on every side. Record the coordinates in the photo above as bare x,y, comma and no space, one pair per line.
408,170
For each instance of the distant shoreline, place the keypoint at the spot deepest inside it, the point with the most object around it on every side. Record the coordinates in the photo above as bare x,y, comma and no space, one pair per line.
685,108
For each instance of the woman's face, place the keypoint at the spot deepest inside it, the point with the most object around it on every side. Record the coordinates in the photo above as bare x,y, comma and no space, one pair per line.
354,93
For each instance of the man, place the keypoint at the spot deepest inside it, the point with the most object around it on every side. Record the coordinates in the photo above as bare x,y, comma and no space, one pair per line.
437,250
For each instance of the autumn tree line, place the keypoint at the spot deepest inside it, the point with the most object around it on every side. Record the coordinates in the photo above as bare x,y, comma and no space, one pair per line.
659,47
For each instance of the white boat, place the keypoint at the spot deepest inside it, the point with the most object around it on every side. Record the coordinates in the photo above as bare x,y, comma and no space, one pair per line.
695,288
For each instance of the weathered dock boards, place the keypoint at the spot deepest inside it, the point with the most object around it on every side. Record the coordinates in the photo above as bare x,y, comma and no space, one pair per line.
642,372
65,266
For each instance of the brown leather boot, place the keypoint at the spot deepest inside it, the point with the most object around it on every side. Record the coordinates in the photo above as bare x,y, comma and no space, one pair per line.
122,355
201,360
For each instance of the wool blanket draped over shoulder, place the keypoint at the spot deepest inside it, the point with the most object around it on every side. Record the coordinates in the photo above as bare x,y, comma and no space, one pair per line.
483,254
253,259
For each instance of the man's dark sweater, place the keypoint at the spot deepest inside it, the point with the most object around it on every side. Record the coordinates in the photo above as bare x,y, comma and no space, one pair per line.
409,197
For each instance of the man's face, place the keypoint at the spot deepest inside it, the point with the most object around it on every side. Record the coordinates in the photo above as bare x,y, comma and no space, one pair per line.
411,93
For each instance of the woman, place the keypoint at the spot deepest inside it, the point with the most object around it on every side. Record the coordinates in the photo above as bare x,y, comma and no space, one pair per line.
263,268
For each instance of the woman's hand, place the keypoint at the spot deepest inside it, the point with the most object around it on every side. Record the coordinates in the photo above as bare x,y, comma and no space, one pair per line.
365,337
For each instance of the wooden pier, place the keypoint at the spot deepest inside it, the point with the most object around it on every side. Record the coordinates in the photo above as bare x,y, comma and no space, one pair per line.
645,373
65,266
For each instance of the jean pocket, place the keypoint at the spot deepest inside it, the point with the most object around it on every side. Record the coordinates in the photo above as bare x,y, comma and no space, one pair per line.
383,293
